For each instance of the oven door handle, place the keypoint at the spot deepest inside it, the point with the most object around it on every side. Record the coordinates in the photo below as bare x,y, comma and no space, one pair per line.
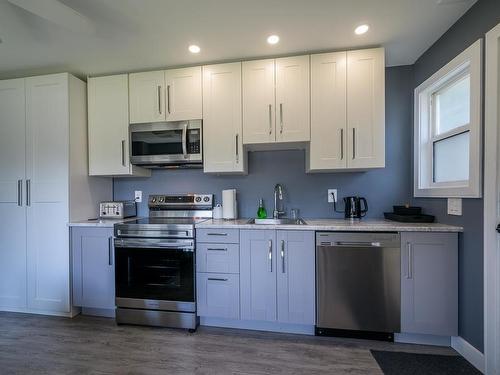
185,246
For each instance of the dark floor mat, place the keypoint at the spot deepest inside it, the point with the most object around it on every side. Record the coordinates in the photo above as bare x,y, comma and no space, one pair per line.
400,363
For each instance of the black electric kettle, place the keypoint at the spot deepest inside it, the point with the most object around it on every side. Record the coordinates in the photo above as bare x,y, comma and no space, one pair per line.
352,207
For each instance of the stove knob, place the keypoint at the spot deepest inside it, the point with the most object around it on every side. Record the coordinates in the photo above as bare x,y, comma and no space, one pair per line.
198,199
206,199
161,200
153,200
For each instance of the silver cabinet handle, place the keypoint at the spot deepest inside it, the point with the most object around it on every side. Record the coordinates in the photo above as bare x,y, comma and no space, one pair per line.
110,251
354,143
237,150
184,140
216,234
123,153
270,256
409,274
168,99
362,244
28,193
270,119
216,279
341,144
282,256
159,99
216,249
281,118
19,193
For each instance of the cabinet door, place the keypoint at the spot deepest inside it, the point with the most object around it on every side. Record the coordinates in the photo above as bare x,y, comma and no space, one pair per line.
258,102
366,108
147,97
327,149
222,126
296,277
93,267
47,163
183,94
429,283
12,207
292,99
108,126
258,274
218,295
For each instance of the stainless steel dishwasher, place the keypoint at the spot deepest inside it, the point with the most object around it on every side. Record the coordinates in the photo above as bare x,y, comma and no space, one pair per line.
358,284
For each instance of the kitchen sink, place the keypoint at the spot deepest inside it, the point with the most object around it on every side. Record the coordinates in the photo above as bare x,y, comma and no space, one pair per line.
282,221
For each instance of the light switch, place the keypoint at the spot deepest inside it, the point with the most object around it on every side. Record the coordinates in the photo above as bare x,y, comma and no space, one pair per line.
455,206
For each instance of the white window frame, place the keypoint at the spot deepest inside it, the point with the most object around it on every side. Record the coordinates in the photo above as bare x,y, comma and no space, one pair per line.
469,62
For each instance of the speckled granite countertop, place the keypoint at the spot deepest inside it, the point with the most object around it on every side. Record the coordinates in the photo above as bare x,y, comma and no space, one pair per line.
368,225
101,223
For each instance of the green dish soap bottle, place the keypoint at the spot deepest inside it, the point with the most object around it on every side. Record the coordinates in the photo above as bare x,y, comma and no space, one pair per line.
261,212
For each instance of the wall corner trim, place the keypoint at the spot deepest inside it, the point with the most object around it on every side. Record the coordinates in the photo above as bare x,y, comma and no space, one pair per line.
471,354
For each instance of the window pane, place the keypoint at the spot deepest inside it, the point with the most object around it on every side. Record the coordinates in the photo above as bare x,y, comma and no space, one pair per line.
453,106
451,158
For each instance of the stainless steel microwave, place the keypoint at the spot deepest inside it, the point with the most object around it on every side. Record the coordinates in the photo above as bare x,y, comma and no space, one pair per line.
167,144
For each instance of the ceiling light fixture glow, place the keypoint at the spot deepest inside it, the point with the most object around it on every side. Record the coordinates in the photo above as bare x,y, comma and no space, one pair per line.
361,29
194,48
273,39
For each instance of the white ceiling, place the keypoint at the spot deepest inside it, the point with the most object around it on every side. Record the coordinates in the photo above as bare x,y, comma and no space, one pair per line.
107,36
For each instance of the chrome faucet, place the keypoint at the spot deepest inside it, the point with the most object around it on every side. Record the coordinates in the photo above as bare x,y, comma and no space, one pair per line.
278,195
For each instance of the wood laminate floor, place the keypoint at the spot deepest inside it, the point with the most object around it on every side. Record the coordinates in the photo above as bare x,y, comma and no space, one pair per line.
31,344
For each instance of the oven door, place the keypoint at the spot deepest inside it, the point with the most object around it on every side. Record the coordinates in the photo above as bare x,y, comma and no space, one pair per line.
155,274
166,143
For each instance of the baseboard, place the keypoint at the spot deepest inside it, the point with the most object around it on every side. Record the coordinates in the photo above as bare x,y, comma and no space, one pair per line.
70,314
106,313
421,339
471,354
302,329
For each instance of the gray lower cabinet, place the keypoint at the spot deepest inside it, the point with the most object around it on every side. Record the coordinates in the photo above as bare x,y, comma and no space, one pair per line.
429,283
277,276
93,267
217,273
218,295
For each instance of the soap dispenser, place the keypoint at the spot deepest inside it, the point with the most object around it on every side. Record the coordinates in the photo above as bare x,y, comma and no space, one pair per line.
261,212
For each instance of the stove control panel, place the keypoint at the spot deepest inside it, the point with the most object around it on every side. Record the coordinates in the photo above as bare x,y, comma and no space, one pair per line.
182,201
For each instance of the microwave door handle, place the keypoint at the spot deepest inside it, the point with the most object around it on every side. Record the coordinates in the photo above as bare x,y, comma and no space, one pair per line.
184,140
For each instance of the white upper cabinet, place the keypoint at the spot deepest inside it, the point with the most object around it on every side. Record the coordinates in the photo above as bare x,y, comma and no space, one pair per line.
147,97
183,96
258,102
366,108
222,122
347,111
292,99
109,147
328,112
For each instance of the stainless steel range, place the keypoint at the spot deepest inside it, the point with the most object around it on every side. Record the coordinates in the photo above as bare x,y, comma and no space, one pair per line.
155,262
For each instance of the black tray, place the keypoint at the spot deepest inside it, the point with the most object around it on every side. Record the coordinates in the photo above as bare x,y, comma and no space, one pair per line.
409,218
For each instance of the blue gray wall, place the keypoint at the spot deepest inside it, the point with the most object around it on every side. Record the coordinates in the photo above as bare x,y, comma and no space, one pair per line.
307,192
482,16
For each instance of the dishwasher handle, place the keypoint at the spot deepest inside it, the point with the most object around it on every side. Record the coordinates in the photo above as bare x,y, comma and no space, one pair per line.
356,244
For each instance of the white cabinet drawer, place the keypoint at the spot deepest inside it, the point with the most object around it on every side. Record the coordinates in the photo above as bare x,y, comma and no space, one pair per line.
218,235
222,258
218,295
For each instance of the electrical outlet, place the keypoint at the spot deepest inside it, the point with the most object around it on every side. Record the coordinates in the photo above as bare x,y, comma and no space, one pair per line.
455,206
332,195
138,196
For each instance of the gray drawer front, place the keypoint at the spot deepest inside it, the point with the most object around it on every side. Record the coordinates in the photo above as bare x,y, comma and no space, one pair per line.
218,295
218,235
218,257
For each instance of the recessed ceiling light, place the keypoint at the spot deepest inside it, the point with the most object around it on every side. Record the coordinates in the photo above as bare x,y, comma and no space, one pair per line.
361,29
194,48
273,39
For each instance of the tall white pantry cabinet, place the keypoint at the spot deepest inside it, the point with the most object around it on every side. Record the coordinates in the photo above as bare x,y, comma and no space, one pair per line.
44,184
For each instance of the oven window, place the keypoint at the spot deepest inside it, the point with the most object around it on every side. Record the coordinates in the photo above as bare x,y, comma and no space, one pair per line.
164,142
160,274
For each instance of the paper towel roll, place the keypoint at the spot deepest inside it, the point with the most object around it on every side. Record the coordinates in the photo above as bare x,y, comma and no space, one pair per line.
229,204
